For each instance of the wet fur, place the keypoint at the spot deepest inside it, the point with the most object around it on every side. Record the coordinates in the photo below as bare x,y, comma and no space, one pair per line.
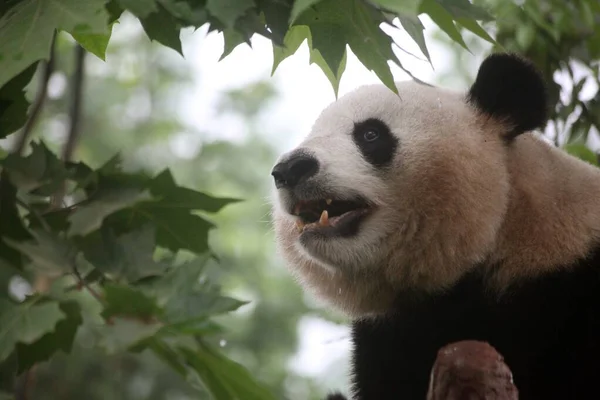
482,231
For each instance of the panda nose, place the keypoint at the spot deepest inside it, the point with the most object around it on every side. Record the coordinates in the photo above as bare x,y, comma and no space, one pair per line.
294,170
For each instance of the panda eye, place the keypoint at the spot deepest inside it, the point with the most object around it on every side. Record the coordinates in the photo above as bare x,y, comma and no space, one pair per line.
371,135
375,141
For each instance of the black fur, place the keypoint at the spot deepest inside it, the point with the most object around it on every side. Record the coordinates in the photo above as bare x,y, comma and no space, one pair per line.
336,396
511,89
379,152
547,329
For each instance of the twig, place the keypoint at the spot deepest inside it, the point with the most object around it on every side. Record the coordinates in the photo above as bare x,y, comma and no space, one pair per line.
38,102
75,119
76,101
81,281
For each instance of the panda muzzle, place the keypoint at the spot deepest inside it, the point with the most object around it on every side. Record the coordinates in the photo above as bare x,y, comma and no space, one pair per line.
325,212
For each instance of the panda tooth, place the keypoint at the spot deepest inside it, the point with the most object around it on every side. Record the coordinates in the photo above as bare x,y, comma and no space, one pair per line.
300,225
324,220
328,201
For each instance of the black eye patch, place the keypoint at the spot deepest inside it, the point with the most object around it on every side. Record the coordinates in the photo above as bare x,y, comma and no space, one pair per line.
375,141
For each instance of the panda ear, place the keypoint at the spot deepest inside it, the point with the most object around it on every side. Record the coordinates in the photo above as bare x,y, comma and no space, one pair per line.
512,90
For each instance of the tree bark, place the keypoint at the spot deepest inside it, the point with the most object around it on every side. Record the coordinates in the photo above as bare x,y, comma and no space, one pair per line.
470,370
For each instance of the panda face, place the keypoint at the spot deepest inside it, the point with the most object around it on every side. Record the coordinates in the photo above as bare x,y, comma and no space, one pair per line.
398,191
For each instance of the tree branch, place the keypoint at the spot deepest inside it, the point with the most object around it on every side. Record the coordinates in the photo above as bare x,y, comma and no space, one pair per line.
473,370
75,118
82,283
76,102
38,102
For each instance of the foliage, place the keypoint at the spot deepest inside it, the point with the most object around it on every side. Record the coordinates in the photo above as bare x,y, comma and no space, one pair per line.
558,37
562,40
102,248
141,301
328,25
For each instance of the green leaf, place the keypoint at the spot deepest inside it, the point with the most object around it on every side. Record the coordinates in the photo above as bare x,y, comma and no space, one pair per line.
177,280
61,339
334,77
330,42
171,195
89,217
582,152
25,323
291,42
474,27
196,326
13,104
48,252
163,351
232,39
413,26
228,11
198,305
56,220
183,297
162,27
85,177
176,228
114,11
464,9
443,20
277,16
409,8
123,333
11,225
41,170
191,11
129,256
251,23
359,24
95,43
125,301
299,7
139,8
225,379
21,44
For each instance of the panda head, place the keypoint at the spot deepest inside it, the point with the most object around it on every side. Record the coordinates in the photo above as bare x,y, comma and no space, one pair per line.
403,191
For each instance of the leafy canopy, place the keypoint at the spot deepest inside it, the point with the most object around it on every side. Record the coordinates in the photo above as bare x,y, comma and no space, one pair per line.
329,26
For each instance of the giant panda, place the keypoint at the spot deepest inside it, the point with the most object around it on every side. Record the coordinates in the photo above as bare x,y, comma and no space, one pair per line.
431,216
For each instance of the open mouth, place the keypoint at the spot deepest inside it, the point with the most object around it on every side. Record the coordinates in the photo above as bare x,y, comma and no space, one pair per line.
330,217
